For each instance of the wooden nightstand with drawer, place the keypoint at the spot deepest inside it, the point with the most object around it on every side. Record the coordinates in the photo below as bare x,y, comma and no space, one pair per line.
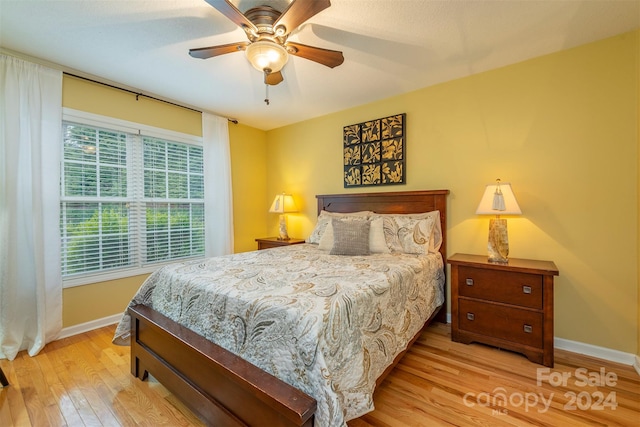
505,305
274,242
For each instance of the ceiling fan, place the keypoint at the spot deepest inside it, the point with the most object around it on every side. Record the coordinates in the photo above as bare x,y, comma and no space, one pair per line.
267,29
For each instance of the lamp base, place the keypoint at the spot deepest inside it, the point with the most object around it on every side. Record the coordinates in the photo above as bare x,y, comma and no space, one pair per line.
498,244
282,231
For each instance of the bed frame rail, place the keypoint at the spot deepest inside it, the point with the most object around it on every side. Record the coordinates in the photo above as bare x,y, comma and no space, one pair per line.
214,383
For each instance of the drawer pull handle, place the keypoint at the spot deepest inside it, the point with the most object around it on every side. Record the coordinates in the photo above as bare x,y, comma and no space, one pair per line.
471,316
528,328
469,282
526,289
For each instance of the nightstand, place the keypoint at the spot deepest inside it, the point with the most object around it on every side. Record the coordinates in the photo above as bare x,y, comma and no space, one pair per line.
273,242
505,305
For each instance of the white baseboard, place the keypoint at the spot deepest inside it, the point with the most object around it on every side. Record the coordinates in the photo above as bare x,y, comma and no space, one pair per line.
637,364
596,351
89,326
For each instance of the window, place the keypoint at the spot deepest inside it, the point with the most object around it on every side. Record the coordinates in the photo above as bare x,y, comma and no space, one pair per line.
173,181
128,201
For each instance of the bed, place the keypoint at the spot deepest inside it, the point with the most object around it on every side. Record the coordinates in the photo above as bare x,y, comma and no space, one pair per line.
221,381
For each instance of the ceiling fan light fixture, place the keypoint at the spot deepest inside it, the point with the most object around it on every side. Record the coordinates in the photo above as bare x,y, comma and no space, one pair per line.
265,54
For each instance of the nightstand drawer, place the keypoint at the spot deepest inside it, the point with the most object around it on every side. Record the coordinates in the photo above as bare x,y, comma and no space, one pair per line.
507,323
514,288
274,242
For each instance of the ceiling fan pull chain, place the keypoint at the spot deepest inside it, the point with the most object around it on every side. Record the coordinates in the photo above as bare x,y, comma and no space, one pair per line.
266,89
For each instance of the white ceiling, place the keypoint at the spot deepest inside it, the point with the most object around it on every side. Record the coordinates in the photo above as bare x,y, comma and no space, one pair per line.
390,47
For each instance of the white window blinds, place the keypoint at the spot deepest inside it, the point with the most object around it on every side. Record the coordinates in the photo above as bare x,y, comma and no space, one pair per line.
127,200
174,200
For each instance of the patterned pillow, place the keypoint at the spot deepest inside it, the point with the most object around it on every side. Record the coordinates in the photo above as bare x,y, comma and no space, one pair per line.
350,237
320,228
435,239
408,235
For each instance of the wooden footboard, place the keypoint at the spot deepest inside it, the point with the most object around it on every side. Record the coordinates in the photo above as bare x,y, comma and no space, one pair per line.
223,389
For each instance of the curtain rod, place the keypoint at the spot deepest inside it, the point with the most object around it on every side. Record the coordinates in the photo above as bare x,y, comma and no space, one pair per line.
139,94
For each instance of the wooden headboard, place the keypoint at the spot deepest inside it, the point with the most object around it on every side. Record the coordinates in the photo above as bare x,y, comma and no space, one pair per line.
400,202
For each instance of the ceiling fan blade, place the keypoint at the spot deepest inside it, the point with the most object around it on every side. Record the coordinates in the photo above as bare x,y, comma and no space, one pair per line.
211,51
273,78
330,58
297,13
233,13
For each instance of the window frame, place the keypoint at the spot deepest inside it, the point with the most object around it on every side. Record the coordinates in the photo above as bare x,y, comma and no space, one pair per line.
138,131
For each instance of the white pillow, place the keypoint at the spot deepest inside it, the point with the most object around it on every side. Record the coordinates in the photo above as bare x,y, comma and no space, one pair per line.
377,242
324,219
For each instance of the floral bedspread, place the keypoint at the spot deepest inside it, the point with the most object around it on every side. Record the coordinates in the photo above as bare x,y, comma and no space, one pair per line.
327,324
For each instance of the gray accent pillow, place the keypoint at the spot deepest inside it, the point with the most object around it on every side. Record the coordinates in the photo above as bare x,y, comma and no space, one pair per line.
325,218
350,237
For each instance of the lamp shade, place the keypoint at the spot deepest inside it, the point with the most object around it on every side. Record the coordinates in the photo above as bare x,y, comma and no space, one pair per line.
498,199
265,54
283,203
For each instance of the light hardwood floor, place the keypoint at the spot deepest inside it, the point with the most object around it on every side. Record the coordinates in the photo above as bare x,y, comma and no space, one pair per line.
85,380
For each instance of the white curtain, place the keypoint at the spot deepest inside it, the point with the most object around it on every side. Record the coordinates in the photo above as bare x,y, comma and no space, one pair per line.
30,277
218,204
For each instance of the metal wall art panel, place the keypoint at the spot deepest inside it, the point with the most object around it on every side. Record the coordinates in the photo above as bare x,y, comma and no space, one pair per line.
375,152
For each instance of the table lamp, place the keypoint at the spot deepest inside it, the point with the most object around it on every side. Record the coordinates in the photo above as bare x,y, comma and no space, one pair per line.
498,199
283,204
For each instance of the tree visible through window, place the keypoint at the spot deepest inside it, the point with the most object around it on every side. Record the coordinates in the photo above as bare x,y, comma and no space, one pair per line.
128,200
173,173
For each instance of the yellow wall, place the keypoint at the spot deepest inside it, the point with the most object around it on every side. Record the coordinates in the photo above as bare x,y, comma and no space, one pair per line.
249,176
98,300
96,98
82,304
562,128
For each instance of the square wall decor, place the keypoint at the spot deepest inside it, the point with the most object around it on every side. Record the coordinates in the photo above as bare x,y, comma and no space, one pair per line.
374,152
